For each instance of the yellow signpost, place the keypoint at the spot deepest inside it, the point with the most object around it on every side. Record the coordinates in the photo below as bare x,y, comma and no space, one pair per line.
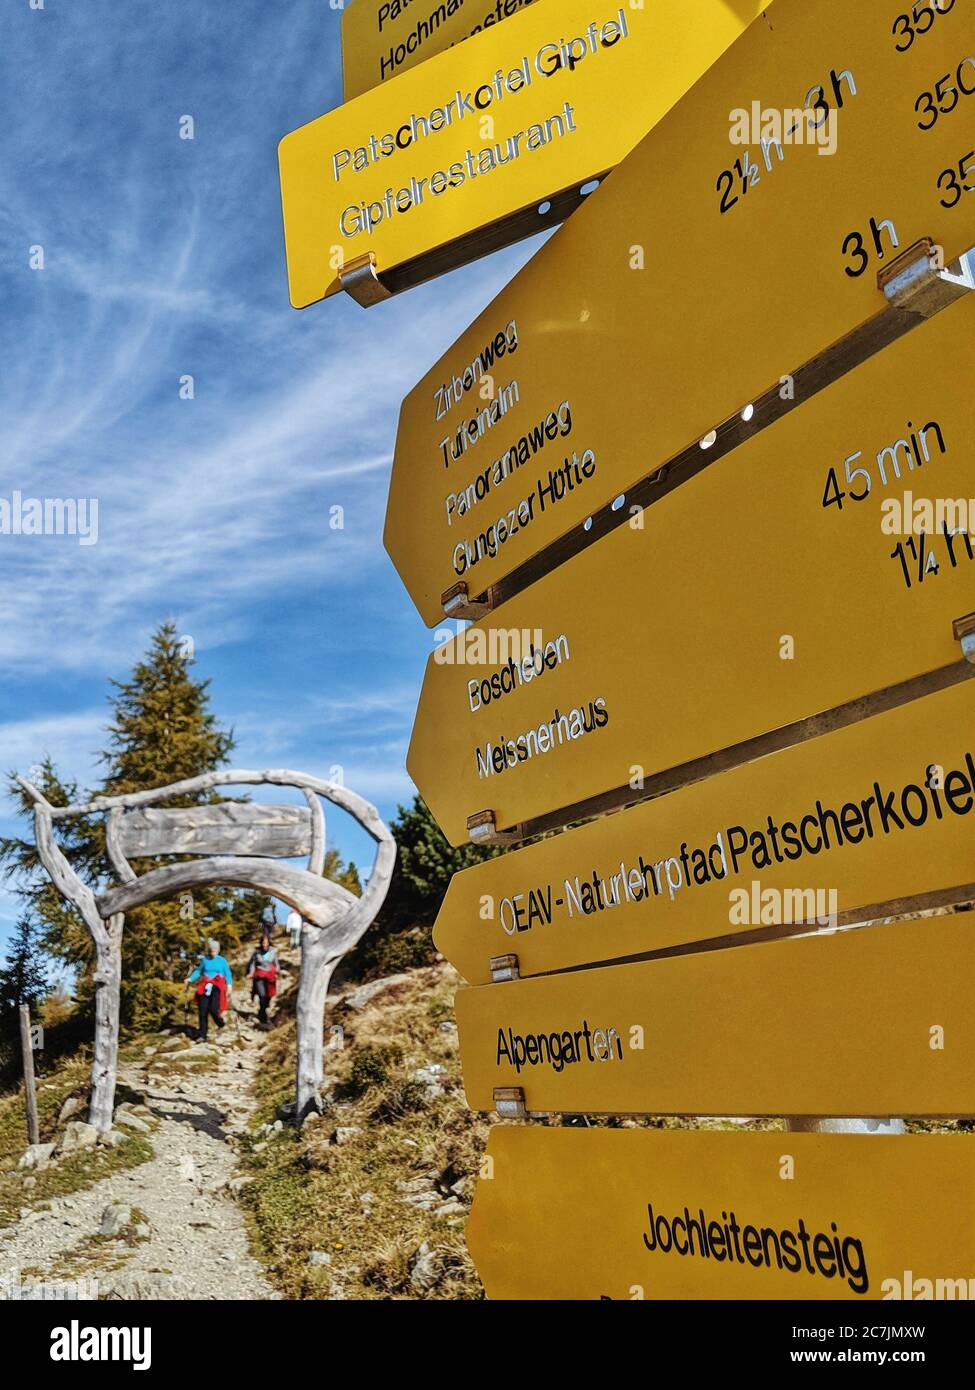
382,38
867,1021
826,831
462,154
817,174
739,240
794,575
650,1214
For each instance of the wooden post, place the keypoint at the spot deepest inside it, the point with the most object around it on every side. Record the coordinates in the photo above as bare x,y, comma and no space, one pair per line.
104,1066
314,978
106,933
30,1089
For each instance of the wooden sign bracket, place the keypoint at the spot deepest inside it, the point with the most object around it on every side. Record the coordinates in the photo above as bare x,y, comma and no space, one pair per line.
482,829
509,1103
457,602
504,968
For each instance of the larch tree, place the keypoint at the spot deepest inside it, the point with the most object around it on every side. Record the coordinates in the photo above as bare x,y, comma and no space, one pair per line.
162,730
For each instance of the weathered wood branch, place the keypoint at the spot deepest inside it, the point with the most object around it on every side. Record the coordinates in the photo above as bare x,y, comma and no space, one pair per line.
63,876
108,960
229,777
113,847
318,899
108,986
316,860
321,950
334,918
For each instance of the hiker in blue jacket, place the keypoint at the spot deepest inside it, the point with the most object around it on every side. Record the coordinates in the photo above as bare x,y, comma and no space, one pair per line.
213,982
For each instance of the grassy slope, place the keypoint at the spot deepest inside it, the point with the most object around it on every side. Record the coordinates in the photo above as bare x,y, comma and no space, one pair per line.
68,1078
312,1194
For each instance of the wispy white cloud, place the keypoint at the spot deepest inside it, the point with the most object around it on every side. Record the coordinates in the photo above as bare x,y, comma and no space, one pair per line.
71,740
164,259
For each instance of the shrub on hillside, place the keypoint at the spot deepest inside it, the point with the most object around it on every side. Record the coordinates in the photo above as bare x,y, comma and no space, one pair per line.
372,1066
382,953
158,1003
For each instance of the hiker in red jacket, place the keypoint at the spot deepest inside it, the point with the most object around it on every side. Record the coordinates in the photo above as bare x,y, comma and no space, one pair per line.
213,982
263,972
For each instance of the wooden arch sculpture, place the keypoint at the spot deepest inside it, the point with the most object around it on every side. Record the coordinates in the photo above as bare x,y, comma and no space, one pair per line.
334,918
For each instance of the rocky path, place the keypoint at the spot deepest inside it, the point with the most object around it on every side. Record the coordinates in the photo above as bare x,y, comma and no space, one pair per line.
169,1228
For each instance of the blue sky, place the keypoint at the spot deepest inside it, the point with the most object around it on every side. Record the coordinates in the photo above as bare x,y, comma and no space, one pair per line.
163,258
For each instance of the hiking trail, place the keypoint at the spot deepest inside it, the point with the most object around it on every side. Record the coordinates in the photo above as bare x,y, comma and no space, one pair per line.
180,1233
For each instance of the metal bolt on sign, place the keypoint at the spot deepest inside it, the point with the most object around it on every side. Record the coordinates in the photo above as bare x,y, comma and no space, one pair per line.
509,1102
361,282
964,630
914,282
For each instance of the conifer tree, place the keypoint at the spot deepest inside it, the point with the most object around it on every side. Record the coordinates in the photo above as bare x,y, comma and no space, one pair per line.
161,731
23,978
401,935
425,865
345,874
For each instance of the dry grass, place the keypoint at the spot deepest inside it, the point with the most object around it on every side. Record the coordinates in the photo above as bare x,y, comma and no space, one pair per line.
347,1201
97,1254
69,1174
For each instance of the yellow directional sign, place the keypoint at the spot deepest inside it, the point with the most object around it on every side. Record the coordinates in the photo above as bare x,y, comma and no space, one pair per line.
382,38
650,1214
820,833
722,255
473,149
867,1021
797,573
